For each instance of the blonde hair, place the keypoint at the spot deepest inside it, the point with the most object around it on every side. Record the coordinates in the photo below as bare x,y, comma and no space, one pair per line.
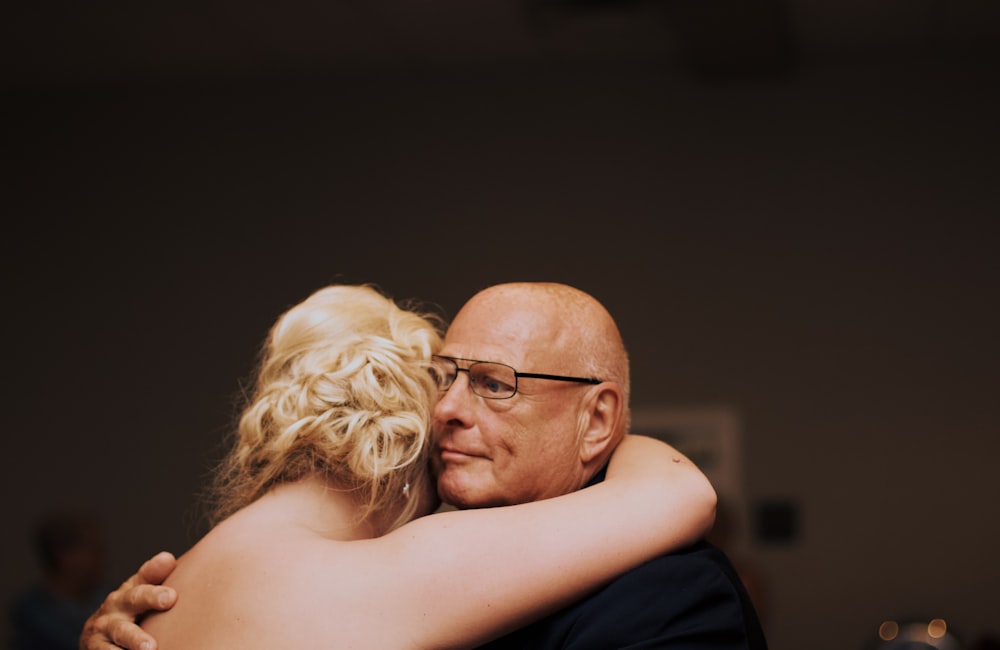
343,391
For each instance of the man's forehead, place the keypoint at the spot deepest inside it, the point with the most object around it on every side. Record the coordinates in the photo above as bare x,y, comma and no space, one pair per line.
519,352
482,350
507,327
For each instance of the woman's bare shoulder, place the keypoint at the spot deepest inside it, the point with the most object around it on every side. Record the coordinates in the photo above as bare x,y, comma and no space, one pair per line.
250,588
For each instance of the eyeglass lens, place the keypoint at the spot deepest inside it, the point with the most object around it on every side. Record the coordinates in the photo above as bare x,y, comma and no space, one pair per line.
487,379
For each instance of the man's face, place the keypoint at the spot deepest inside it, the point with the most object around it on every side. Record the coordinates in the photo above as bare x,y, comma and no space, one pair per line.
499,452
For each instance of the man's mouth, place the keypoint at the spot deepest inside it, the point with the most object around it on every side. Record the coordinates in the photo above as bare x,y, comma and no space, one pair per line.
452,455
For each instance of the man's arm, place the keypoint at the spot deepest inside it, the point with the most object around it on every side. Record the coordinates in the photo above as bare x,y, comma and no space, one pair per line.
114,624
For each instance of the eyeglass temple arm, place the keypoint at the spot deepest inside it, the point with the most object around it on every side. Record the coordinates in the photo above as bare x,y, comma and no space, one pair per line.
582,380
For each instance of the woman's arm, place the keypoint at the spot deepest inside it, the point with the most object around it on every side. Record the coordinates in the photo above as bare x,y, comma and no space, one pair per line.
484,572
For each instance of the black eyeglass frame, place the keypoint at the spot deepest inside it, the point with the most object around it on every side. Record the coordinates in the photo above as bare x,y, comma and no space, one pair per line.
530,375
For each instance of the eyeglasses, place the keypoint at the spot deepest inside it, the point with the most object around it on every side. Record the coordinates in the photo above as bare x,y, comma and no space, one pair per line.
490,379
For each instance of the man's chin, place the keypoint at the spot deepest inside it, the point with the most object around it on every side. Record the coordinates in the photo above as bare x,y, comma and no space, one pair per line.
457,494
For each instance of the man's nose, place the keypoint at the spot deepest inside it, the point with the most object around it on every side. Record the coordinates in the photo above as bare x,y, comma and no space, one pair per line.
453,403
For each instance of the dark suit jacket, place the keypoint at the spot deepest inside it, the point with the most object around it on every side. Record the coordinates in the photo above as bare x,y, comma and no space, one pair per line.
687,600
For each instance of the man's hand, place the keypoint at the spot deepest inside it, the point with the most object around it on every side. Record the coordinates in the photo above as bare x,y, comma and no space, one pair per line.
114,624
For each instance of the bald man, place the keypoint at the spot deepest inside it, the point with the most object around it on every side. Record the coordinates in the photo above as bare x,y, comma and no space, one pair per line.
520,421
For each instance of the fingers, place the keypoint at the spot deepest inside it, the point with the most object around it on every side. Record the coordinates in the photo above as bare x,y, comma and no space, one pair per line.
110,633
106,632
140,599
130,636
156,569
114,623
135,598
142,592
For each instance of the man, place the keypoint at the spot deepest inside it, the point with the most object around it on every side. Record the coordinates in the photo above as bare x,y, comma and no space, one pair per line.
536,384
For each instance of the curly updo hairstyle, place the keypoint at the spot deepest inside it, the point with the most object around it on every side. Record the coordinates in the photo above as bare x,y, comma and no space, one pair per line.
343,391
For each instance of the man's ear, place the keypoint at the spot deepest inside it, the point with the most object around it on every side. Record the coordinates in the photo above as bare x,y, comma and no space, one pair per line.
600,419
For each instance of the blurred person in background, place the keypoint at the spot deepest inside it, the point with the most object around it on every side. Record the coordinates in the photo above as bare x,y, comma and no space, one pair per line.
72,554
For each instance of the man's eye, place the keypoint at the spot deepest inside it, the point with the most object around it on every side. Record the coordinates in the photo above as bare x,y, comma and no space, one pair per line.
492,384
443,375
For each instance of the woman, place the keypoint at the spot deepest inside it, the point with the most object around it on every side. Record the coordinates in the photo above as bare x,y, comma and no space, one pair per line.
312,548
